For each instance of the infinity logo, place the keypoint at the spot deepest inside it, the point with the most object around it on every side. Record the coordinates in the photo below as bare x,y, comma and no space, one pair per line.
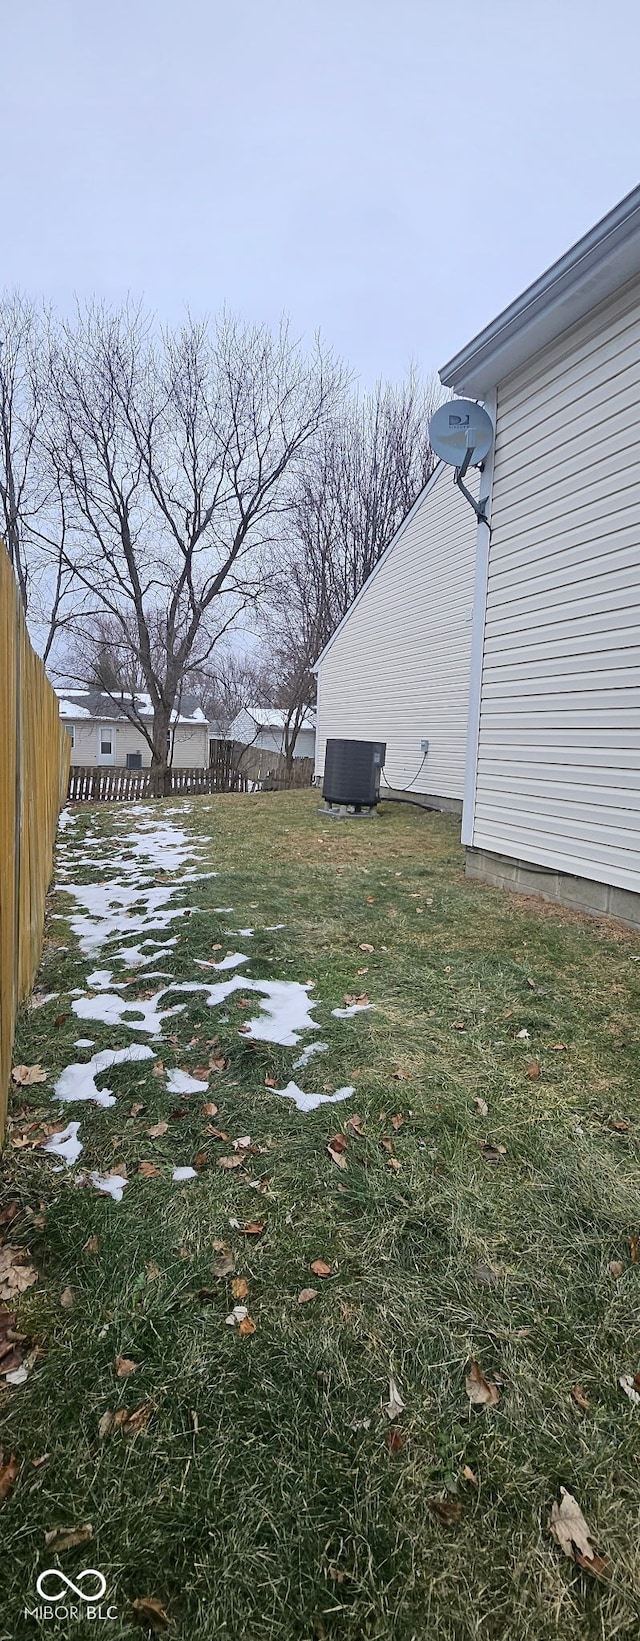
66,1584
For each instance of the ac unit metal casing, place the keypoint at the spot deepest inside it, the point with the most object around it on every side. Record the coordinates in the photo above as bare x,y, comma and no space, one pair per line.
352,771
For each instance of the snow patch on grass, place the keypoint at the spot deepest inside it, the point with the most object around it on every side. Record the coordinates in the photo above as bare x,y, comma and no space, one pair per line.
78,1082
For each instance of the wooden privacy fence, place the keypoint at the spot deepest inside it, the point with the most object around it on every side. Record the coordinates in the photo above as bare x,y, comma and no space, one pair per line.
233,768
34,764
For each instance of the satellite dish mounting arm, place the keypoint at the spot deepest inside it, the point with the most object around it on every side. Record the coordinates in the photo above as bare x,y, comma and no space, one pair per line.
458,478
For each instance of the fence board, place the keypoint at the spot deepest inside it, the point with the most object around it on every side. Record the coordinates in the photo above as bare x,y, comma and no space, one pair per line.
34,763
232,768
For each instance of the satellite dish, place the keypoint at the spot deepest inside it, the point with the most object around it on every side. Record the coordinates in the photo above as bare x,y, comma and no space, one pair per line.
461,433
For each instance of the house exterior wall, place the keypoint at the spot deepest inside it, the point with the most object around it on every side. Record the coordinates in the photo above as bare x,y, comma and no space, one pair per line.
398,669
557,778
191,745
244,729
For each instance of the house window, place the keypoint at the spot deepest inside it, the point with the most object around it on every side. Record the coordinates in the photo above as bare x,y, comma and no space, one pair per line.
106,745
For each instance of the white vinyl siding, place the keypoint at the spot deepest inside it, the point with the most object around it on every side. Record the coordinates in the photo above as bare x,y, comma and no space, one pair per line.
558,772
398,668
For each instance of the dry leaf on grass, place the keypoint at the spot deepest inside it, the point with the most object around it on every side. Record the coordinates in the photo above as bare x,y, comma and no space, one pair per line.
469,1475
9,1212
485,1276
224,1262
459,1025
67,1299
571,1532
209,1109
125,1367
580,1397
16,1272
481,1106
350,999
401,1076
159,1128
219,1064
365,947
255,1228
271,1082
149,1170
533,1070
66,1538
397,1122
395,1405
240,1287
92,1245
247,1327
394,1440
231,1162
336,1149
138,1420
634,1249
618,1124
320,1267
25,1075
306,1294
150,1611
482,1392
216,1133
448,1511
12,1343
492,1153
616,1269
8,1474
630,1384
136,1108
354,1125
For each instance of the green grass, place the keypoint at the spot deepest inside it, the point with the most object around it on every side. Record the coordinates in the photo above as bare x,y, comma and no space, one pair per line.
261,1499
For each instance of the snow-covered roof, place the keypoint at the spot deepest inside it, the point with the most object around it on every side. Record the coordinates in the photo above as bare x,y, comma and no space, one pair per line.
95,704
275,718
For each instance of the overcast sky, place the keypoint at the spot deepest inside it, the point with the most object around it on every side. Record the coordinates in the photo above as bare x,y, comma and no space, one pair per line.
391,171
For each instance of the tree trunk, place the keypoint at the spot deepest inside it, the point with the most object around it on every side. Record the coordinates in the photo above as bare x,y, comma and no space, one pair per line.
160,770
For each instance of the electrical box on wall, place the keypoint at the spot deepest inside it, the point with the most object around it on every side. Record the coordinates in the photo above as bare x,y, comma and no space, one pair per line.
424,746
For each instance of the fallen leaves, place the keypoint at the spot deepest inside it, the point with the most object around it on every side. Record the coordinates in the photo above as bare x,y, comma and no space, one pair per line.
149,1170
306,1295
481,1106
239,1318
224,1261
485,1276
395,1405
492,1153
630,1384
320,1267
208,1109
158,1130
66,1538
580,1397
255,1228
482,1392
136,1108
362,1000
365,947
25,1075
8,1474
16,1272
11,1343
634,1249
616,1269
448,1511
236,1161
570,1530
9,1212
131,1423
337,1150
240,1287
150,1611
67,1299
124,1367
533,1070
354,1125
92,1245
394,1440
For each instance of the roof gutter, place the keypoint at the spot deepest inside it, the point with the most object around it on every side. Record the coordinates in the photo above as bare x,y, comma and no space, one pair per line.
599,264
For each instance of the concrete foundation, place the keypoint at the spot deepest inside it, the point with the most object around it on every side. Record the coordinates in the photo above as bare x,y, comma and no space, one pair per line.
582,894
426,800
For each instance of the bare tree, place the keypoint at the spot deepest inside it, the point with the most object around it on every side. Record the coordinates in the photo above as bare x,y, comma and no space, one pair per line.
178,454
360,481
32,511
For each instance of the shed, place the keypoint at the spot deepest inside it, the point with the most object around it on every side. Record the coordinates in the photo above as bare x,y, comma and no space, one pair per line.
553,774
397,667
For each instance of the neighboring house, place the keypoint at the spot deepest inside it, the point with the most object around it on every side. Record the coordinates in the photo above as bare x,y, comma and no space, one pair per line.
101,732
263,727
397,667
553,778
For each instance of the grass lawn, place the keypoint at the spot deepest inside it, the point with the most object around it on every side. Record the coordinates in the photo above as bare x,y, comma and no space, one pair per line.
264,1492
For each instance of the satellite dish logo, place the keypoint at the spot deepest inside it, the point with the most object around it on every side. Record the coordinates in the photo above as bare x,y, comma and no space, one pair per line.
55,1588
